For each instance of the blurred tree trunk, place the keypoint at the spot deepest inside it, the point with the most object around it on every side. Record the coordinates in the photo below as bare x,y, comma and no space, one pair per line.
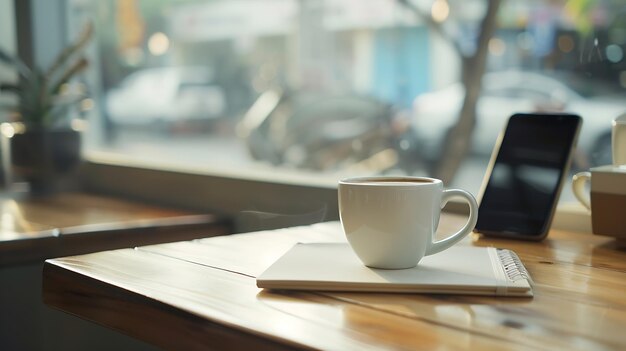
459,137
457,142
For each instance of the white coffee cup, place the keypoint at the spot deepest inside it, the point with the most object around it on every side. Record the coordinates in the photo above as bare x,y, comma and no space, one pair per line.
390,222
618,145
618,140
606,198
579,182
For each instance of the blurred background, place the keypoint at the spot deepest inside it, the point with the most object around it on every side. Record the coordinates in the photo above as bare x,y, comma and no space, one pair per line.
331,88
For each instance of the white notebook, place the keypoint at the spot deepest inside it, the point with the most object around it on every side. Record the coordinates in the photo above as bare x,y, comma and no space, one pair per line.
459,270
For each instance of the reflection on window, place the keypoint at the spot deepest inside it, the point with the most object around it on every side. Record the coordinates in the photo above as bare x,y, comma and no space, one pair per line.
360,86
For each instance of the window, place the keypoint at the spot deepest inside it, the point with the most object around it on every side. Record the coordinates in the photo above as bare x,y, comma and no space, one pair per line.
341,87
7,40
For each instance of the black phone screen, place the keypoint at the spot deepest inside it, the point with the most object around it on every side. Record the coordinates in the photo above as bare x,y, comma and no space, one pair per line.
525,180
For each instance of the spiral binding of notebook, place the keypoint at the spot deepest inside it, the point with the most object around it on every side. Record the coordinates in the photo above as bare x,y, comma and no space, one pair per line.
513,266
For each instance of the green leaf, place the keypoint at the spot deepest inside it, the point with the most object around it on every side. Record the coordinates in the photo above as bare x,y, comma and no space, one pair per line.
20,66
69,51
76,68
9,87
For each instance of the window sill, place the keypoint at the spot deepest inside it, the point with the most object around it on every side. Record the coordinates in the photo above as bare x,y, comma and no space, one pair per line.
258,172
258,197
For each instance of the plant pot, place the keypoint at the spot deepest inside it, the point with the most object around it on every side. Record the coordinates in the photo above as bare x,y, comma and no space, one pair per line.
44,158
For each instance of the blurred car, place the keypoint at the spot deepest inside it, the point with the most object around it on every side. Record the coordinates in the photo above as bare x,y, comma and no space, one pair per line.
167,95
328,131
505,93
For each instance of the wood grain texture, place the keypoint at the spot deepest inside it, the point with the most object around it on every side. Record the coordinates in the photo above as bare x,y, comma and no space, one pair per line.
203,293
33,229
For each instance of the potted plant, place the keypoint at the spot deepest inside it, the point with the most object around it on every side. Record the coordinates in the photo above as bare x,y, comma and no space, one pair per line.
39,138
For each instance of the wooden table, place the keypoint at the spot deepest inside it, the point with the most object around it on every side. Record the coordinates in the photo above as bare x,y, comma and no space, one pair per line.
33,229
202,295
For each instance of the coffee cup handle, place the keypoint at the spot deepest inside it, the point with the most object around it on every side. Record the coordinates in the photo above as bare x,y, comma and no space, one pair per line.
443,244
578,187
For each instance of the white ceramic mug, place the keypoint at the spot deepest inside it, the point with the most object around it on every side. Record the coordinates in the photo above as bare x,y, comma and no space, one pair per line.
579,182
390,222
618,145
605,198
618,140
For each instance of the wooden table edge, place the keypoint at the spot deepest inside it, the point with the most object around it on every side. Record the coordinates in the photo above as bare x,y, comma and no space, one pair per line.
101,296
68,241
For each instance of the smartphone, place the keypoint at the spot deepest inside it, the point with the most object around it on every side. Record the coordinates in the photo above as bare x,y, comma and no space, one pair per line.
525,175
